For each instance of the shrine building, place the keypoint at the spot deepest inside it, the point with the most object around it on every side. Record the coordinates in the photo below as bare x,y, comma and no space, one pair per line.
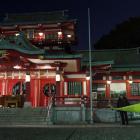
39,62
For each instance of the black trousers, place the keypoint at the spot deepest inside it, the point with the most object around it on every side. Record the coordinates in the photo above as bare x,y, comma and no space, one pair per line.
124,117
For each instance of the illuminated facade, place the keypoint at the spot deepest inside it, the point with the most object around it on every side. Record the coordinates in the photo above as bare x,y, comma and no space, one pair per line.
36,58
37,63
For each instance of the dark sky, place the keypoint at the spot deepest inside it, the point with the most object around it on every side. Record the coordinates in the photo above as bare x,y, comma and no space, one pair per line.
105,14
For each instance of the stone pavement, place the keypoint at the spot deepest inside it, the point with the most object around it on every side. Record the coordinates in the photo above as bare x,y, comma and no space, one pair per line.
97,131
94,125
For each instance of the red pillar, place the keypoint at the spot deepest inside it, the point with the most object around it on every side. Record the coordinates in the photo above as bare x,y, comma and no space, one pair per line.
108,91
88,87
28,90
58,86
128,90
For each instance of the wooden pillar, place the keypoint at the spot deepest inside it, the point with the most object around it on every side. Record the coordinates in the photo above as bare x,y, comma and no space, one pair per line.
27,91
108,91
88,87
58,87
128,90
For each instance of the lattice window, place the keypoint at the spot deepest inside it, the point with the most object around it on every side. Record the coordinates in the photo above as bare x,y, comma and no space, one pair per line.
135,89
74,88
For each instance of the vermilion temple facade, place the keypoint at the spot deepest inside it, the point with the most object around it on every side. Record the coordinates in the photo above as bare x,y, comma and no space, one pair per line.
37,63
35,51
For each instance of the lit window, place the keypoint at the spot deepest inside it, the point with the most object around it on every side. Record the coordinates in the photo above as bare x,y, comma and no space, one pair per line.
60,35
116,89
41,34
17,67
17,34
69,36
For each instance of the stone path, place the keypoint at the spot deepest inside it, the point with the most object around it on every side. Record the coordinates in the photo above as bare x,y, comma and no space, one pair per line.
71,132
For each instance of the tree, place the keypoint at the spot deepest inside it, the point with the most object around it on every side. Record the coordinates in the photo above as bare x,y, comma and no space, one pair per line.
125,35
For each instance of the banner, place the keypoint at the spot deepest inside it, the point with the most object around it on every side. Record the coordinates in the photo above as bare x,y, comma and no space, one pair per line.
130,108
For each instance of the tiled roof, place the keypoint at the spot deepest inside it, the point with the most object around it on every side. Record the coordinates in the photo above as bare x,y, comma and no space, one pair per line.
62,55
35,17
122,58
20,44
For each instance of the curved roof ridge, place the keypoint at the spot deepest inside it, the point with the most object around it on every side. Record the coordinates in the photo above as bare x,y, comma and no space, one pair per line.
21,44
40,12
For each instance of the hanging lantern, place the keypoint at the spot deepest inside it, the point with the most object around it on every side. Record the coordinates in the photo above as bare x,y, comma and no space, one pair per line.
87,75
108,82
27,79
58,77
130,81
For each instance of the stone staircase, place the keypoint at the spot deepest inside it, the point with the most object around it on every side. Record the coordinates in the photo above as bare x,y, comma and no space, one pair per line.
23,116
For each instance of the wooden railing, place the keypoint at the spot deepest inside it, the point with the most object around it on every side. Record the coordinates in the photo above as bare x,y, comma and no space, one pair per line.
67,101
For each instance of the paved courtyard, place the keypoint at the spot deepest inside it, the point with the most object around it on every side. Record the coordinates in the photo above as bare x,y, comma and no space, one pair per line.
74,132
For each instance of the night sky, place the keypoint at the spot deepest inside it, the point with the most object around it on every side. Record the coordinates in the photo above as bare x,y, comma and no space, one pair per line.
105,14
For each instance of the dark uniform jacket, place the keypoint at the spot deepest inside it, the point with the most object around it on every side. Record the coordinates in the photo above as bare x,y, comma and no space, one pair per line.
122,102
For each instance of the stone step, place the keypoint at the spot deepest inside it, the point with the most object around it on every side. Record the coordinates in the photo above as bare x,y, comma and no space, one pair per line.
23,116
